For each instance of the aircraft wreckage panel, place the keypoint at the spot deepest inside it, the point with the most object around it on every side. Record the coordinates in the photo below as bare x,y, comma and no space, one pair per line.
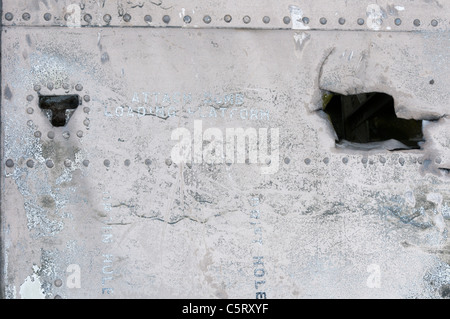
118,179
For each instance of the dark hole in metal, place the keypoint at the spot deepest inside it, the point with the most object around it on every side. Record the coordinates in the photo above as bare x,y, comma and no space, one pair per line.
370,117
59,107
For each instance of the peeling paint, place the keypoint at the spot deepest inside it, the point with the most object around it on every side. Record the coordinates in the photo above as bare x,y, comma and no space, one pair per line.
31,288
300,40
184,230
375,15
296,17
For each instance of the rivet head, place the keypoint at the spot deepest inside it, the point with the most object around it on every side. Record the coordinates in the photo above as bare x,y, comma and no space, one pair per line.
127,17
326,160
30,98
26,16
51,135
438,160
80,134
47,16
86,163
87,17
227,18
286,20
166,19
50,86
148,18
360,21
266,19
58,297
287,160
86,98
66,135
37,88
30,123
86,109
187,19
398,21
37,134
207,19
107,18
30,110
323,20
434,22
58,282
431,82
341,21
66,86
246,19
9,163
168,162
78,87
345,160
86,122
382,160
305,20
67,163
49,163
401,160
307,161
9,16
416,22
127,162
30,163
107,162
364,160
148,162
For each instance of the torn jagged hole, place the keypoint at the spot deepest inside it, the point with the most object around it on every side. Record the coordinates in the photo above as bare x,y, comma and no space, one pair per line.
368,121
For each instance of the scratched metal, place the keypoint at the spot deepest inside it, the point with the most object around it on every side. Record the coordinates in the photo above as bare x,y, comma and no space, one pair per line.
98,208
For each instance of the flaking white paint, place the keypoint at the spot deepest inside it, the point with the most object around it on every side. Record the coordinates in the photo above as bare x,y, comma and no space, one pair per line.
297,18
374,16
31,288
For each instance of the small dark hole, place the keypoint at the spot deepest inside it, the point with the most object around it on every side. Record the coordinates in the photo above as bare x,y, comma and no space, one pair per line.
370,117
60,107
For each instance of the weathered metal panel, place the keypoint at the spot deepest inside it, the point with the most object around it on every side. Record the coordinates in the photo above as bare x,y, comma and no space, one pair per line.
102,208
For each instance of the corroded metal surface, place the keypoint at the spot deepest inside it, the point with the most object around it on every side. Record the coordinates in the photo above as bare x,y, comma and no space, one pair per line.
101,207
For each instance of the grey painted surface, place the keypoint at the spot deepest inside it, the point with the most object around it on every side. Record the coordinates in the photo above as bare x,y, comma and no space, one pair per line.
105,212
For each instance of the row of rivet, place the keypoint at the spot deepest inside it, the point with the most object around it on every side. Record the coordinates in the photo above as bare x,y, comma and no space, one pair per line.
65,86
58,283
49,163
207,19
51,135
68,163
365,160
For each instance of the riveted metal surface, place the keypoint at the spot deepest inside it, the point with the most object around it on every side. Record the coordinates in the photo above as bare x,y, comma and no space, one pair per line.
374,15
101,208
